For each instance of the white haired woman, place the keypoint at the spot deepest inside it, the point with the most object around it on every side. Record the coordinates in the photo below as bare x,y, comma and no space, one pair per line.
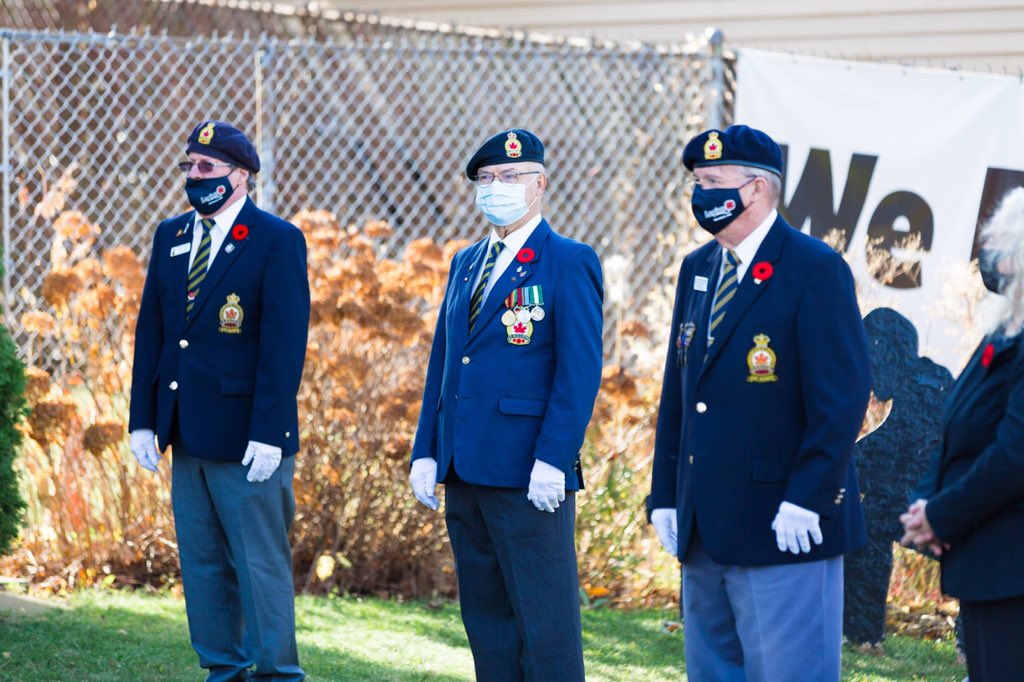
970,506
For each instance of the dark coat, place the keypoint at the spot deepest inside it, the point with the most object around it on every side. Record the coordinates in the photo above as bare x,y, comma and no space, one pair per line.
495,406
745,429
975,485
229,383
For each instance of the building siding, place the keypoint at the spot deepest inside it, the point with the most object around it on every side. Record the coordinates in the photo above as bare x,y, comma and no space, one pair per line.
981,35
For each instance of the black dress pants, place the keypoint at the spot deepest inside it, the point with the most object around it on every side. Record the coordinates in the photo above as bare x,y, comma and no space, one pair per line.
994,639
518,583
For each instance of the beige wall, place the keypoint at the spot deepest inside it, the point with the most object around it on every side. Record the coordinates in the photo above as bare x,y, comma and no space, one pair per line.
970,34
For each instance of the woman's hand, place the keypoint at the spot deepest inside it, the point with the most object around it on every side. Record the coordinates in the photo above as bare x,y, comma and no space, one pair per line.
918,532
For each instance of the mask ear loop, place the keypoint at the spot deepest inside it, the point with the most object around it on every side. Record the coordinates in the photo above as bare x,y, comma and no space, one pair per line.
530,205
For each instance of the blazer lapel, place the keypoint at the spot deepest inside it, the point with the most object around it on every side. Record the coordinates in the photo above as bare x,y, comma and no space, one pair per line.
973,376
179,264
699,312
515,276
749,290
462,292
229,252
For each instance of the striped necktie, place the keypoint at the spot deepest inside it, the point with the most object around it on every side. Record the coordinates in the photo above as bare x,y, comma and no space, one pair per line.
476,303
197,273
727,286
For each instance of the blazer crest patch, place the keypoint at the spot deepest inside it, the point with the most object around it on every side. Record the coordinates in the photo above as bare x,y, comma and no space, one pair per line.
761,361
231,315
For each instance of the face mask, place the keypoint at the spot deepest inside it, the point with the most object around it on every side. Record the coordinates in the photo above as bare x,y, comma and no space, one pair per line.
208,195
988,265
715,209
503,204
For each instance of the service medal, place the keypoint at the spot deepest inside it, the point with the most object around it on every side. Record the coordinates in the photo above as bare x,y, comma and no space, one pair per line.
686,331
524,308
231,315
761,361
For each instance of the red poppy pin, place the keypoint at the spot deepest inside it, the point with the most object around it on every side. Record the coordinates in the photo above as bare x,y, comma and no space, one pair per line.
525,255
762,271
239,232
987,355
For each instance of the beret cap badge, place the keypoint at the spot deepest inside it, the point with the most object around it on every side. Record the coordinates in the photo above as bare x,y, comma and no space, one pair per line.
737,145
225,142
713,147
206,134
513,148
512,145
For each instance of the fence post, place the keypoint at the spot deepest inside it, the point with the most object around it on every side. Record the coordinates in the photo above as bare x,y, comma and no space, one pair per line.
716,90
265,123
5,103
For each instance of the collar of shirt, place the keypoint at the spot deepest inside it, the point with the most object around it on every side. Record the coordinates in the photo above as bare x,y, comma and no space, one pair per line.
746,250
222,223
517,239
513,243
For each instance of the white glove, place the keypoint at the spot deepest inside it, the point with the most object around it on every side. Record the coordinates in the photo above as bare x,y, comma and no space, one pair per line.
547,486
265,460
423,479
666,526
792,525
143,445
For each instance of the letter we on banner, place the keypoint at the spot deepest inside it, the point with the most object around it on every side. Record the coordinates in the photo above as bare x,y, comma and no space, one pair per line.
885,153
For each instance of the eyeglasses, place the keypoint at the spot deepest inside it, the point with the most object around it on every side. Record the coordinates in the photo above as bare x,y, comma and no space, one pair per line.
690,182
203,166
508,177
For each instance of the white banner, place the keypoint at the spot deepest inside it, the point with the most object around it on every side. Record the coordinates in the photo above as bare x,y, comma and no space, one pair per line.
889,152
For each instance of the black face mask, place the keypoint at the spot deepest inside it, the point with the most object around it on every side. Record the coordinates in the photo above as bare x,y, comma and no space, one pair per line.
715,209
208,195
988,265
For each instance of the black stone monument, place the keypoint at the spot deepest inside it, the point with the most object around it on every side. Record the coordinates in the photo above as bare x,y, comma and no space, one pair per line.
890,461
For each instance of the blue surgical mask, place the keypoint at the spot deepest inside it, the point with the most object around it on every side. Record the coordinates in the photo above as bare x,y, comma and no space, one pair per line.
208,195
503,204
716,208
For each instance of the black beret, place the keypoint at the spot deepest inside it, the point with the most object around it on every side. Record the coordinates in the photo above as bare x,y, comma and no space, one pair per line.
735,146
224,142
511,146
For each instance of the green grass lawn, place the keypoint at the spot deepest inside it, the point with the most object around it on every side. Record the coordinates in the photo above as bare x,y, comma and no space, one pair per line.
123,636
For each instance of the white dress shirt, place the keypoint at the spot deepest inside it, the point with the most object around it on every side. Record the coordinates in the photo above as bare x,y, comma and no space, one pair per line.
746,250
513,244
222,224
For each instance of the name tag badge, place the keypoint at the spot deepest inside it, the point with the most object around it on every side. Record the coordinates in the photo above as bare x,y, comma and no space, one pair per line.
700,283
180,249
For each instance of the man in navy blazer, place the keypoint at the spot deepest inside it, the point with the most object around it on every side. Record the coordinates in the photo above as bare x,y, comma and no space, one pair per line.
765,388
514,370
219,347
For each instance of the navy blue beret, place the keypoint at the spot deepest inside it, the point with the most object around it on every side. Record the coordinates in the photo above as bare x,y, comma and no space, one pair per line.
511,146
224,142
735,146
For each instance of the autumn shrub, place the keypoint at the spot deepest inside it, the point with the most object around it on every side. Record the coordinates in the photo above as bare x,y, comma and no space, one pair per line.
620,557
92,514
358,528
95,516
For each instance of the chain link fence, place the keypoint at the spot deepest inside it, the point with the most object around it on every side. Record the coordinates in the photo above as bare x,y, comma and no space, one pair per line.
378,126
